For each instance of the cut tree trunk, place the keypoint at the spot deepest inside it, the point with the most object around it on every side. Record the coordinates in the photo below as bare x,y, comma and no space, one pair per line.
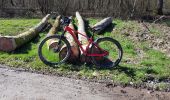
75,52
100,26
83,40
53,42
10,43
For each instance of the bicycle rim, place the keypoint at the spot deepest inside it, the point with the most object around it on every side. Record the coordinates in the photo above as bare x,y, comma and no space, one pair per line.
49,50
115,52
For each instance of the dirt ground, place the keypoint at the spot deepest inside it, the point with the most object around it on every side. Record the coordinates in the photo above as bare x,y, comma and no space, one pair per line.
157,35
20,85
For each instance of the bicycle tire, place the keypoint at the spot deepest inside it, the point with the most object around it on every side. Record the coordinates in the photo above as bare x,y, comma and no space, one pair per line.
43,59
108,64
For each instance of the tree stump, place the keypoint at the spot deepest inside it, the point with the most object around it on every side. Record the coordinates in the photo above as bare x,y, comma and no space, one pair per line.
75,52
53,42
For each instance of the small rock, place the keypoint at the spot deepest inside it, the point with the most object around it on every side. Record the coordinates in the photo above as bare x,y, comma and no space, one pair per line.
95,73
150,92
123,91
110,85
131,83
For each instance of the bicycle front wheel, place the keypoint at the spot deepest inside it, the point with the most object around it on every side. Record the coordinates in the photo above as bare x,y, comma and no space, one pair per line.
114,49
50,48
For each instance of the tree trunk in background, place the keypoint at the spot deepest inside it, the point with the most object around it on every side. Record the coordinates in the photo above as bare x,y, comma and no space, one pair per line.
45,6
90,8
10,43
53,42
75,52
160,7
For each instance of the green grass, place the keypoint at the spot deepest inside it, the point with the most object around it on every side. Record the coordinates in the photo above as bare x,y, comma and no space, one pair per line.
133,67
16,26
49,54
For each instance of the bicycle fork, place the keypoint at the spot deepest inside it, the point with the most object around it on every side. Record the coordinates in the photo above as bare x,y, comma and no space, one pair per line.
59,46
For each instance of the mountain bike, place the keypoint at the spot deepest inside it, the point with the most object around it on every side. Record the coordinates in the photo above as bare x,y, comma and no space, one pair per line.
104,52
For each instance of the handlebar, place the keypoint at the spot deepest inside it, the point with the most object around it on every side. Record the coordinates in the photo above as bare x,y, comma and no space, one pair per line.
64,20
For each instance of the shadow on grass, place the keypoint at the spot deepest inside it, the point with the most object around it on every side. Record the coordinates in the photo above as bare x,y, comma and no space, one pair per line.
76,67
122,69
109,28
131,72
128,71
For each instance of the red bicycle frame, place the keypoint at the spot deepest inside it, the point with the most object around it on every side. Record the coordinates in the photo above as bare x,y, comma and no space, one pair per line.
90,40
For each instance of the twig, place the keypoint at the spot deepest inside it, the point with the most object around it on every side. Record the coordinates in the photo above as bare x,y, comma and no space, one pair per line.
161,17
146,26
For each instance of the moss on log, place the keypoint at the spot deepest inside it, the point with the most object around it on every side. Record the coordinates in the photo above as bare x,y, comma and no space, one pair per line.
10,43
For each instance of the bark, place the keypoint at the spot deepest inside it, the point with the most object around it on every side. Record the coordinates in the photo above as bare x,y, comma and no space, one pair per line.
10,43
81,29
45,6
83,40
53,42
160,7
100,26
74,47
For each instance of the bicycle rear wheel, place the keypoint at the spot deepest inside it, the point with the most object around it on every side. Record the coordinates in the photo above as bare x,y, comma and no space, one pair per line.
51,55
114,49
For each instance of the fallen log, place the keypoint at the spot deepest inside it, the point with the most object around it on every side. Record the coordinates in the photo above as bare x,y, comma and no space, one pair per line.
10,43
100,26
81,29
74,47
83,40
53,42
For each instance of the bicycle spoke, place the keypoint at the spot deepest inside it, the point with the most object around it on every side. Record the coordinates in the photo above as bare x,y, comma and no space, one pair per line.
112,47
50,55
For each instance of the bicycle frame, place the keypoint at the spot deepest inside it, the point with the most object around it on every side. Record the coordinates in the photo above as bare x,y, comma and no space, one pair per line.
90,40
